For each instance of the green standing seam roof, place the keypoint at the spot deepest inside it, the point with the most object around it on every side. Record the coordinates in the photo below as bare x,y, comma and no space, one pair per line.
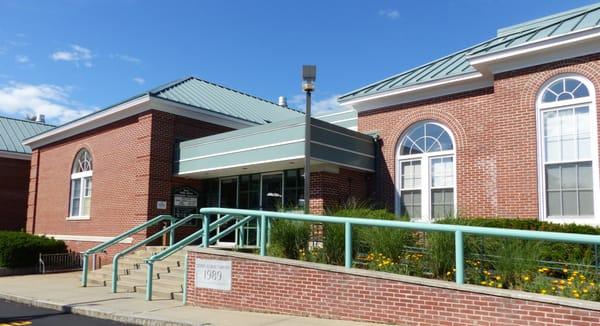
14,131
457,64
209,96
212,97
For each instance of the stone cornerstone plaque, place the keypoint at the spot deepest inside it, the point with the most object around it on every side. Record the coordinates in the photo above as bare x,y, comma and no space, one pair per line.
213,274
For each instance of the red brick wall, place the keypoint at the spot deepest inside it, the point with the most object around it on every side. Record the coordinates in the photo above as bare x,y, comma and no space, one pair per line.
495,135
132,169
282,286
13,193
328,189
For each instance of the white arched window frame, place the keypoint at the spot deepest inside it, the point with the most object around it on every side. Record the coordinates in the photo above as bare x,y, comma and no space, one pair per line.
81,186
567,134
419,171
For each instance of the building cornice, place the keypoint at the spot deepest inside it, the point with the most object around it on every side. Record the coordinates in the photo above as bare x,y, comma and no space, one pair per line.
127,109
566,46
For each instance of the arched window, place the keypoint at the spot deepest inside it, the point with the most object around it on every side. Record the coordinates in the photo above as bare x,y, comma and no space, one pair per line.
81,185
425,172
568,149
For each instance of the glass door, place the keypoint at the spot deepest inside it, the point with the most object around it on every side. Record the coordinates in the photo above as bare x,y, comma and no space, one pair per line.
272,191
228,198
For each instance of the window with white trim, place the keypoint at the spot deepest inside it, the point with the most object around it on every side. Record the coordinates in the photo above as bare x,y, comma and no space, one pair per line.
568,150
426,177
81,185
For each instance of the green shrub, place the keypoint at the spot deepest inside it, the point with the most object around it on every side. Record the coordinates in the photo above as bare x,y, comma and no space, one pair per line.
548,250
19,249
441,254
289,238
386,241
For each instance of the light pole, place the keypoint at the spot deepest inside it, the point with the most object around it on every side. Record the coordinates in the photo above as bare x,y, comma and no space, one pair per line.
309,74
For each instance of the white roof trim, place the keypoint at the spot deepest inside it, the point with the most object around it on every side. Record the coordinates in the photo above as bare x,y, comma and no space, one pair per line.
443,87
128,109
573,40
570,45
15,155
414,88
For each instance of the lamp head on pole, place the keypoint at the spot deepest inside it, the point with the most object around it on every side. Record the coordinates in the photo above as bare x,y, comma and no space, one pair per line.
309,75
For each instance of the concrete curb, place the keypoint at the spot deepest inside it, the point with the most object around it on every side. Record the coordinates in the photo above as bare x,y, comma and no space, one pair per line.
96,313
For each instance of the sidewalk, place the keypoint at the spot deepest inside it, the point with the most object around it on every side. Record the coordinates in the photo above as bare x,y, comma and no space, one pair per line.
62,292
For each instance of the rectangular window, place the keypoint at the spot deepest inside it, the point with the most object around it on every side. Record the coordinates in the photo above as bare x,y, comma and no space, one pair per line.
569,189
75,196
86,196
442,187
567,162
410,192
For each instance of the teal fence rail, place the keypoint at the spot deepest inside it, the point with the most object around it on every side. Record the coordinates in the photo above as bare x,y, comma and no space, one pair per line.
458,230
204,234
103,246
172,228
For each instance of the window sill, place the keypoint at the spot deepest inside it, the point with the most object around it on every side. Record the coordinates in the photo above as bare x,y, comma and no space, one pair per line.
77,218
587,220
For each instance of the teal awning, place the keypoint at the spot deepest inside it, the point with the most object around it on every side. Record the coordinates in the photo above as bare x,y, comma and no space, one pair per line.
272,147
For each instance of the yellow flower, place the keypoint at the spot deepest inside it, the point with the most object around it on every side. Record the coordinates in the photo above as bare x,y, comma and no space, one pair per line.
565,270
543,291
448,273
483,282
562,282
585,290
499,286
525,278
498,278
576,295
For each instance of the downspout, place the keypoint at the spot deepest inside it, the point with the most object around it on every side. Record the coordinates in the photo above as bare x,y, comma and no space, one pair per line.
35,196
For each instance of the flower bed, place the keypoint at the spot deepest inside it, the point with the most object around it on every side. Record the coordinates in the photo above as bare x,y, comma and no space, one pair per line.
561,269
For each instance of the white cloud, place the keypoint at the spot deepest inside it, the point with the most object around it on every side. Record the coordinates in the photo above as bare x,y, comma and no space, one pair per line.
139,80
127,58
19,99
78,54
318,107
389,13
23,59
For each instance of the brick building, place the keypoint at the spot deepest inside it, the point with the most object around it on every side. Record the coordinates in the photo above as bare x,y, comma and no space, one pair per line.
182,146
505,128
14,169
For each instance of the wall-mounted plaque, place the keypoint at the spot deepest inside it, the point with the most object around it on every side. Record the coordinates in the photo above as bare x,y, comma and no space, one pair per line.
185,202
213,274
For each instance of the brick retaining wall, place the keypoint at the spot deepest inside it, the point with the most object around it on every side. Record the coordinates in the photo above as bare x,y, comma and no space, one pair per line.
285,286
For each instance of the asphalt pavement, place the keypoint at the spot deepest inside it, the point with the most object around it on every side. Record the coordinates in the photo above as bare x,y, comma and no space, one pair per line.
16,314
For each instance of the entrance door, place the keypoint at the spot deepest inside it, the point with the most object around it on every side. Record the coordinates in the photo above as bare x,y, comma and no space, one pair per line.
272,191
228,198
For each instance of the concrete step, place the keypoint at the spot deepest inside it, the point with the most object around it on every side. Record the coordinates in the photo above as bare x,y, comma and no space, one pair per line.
164,278
158,292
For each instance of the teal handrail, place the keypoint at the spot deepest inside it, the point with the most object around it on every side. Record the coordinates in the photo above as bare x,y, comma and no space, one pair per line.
171,228
119,238
458,230
202,233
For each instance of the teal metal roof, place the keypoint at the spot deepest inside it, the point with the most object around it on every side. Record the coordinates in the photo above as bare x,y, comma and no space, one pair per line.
212,97
457,64
14,131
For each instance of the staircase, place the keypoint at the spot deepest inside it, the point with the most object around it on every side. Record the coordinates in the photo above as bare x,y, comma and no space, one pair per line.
167,277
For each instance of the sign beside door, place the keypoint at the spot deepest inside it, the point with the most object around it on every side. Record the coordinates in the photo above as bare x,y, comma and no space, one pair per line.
213,274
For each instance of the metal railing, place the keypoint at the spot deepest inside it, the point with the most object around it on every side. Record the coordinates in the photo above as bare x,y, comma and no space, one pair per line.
103,246
170,229
204,234
458,230
61,262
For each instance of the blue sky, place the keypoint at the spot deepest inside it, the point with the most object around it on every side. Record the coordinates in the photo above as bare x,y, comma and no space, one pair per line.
67,58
